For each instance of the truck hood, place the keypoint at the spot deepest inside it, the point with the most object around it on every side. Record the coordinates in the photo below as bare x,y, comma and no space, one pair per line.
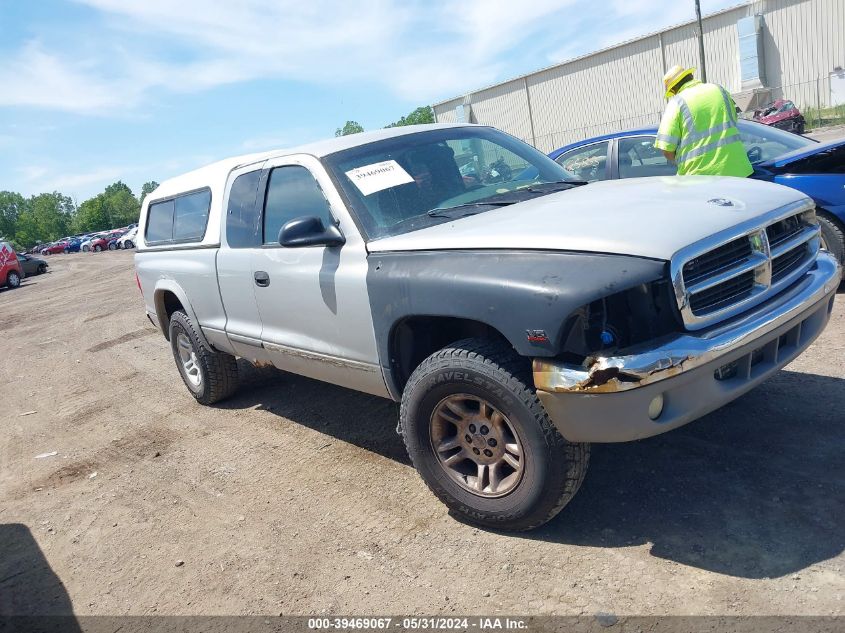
645,217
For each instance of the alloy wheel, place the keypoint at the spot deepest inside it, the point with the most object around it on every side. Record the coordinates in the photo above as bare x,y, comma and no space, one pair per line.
188,358
477,445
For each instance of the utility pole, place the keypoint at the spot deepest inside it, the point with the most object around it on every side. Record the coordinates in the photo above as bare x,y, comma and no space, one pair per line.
700,42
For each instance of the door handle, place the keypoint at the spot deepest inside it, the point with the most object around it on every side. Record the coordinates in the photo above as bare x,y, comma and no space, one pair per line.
261,278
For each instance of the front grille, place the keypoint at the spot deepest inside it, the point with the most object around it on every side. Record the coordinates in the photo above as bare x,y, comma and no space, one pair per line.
782,230
741,270
717,297
788,262
717,260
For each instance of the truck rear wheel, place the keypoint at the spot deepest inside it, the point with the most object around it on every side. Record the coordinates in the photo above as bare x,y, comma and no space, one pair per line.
210,376
483,443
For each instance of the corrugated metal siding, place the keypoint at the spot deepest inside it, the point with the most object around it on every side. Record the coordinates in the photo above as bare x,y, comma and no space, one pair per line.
620,88
507,105
594,92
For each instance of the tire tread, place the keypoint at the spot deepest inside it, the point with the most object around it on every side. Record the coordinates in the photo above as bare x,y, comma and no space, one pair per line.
220,369
834,233
499,362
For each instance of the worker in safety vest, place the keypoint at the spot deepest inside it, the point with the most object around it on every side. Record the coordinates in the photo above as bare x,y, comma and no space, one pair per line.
698,129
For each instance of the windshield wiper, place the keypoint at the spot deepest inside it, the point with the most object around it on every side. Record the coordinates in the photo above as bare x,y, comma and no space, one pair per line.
548,187
461,210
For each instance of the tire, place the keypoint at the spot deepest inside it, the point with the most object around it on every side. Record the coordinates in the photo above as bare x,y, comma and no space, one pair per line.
86,248
128,244
112,246
551,469
217,372
833,238
66,251
42,268
98,248
13,279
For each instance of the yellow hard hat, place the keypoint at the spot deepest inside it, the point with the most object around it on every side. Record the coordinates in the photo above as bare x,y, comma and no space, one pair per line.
673,76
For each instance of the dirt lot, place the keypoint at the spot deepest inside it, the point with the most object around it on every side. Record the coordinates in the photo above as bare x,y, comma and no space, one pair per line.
296,497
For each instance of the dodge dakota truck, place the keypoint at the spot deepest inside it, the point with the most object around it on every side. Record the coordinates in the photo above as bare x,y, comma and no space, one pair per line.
515,314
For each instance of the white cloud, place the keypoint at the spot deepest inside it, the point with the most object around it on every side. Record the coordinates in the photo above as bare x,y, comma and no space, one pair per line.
40,179
418,50
36,77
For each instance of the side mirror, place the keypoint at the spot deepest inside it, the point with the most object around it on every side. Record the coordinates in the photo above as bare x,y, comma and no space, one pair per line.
309,231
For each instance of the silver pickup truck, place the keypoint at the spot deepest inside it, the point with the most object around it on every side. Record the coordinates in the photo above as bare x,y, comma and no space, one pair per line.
516,315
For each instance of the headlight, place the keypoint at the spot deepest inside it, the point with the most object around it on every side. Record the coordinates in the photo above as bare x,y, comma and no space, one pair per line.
639,314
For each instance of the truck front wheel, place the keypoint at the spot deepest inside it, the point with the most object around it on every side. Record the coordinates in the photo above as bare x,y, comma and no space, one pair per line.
481,440
209,376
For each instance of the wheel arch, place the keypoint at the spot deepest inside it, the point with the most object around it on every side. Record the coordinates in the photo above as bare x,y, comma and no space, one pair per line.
415,337
831,217
169,297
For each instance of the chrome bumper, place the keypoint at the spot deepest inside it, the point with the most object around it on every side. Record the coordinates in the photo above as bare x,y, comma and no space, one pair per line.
580,399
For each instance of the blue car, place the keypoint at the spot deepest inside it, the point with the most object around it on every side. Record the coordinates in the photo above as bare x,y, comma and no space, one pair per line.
816,169
72,245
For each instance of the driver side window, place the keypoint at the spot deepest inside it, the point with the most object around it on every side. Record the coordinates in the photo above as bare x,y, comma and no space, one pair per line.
586,163
292,193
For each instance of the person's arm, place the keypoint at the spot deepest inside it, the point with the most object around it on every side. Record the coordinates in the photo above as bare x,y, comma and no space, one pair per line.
669,132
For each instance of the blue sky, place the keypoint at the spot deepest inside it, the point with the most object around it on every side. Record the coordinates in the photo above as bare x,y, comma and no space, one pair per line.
99,90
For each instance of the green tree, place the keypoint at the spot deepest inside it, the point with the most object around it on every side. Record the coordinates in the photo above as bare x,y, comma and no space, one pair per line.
124,208
47,217
423,114
116,206
350,127
12,204
147,189
93,215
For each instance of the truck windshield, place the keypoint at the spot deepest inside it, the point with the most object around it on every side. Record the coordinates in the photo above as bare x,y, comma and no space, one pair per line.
417,180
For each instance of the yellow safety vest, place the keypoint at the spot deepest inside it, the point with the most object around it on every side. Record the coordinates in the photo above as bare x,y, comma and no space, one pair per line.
699,125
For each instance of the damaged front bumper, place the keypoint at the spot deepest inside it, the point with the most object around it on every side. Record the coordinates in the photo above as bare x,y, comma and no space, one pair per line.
654,389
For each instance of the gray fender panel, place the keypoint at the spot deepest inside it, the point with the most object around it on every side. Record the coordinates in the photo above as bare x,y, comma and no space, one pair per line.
511,291
169,285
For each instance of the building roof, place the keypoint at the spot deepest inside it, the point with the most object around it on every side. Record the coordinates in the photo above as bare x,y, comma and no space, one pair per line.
591,54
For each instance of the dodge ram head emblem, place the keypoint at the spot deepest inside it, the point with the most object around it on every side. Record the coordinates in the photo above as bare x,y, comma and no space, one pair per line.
721,202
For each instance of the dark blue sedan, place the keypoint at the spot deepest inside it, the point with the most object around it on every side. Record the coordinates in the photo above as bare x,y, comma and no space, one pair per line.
817,169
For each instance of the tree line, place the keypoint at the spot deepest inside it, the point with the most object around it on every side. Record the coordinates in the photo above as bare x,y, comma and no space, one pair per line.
47,217
423,114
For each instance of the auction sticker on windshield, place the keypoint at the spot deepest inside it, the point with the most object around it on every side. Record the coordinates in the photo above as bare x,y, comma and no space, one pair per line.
379,176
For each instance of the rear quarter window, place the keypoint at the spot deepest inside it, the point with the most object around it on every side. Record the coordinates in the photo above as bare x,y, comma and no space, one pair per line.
160,222
178,220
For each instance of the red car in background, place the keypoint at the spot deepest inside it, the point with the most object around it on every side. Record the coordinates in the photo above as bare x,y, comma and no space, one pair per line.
782,114
52,249
100,244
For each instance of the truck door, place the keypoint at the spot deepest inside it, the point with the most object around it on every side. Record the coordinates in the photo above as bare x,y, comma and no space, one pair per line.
240,236
313,300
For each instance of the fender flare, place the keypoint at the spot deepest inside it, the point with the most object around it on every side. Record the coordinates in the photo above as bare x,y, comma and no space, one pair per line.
170,285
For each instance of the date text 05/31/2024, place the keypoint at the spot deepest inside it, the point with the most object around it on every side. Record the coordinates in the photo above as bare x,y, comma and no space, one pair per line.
418,624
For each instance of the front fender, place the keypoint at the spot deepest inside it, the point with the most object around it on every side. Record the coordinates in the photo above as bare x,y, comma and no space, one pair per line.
518,293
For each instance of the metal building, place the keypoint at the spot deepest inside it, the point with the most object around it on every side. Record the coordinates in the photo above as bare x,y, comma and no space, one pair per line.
760,50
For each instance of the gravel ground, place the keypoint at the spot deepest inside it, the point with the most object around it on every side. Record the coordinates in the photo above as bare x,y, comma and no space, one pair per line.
296,497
